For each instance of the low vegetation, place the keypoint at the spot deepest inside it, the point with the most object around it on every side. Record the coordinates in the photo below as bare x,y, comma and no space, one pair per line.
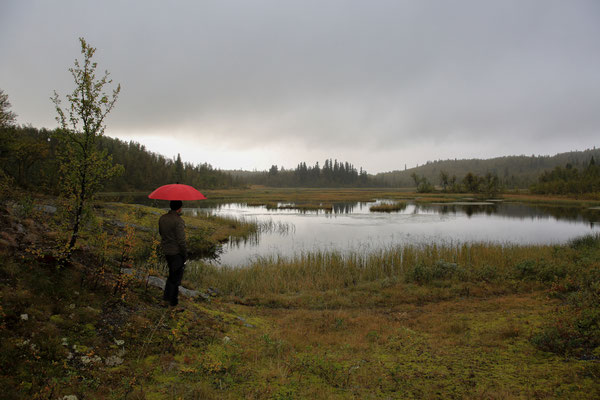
389,207
463,321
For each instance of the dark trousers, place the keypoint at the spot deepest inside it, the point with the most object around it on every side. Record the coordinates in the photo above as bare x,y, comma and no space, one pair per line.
176,268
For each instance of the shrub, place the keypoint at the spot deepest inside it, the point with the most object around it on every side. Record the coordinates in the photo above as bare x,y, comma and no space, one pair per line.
526,269
443,269
572,335
557,338
587,241
424,273
486,273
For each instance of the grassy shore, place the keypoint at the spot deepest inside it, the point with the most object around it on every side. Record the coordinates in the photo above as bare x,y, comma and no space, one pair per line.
475,321
264,195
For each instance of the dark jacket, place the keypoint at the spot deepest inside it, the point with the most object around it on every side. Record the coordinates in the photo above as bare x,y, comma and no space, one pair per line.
171,229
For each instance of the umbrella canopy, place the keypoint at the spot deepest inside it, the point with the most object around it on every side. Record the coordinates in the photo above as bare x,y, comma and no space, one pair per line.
176,191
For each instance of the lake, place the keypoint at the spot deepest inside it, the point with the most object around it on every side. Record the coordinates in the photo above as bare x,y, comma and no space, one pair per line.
353,227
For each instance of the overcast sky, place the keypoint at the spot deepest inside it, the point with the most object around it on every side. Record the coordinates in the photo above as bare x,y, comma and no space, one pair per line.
247,84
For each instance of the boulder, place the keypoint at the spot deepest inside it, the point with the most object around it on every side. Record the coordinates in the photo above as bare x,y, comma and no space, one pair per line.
160,283
47,209
113,361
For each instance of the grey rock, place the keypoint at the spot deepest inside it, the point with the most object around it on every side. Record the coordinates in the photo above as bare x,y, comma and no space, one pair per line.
24,317
113,361
121,224
94,310
160,283
156,281
188,292
47,209
173,366
90,360
138,274
247,325
204,296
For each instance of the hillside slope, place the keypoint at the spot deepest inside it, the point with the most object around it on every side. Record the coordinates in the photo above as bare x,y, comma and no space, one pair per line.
513,171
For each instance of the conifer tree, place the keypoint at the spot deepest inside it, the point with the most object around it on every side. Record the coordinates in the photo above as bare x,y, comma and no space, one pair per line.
7,117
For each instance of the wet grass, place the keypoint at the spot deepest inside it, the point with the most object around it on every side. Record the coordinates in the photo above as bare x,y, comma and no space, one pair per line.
389,207
583,201
315,276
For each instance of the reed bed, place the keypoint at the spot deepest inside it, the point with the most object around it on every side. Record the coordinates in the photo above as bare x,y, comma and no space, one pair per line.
389,207
420,264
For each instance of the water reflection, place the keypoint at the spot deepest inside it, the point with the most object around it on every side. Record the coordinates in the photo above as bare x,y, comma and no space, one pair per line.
250,240
344,208
511,210
351,226
517,210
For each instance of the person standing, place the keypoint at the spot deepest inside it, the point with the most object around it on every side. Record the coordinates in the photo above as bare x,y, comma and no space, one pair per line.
172,232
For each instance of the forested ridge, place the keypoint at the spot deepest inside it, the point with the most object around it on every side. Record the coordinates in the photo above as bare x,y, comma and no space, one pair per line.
512,171
29,156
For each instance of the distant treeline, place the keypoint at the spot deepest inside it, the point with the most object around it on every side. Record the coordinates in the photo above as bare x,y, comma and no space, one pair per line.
331,174
512,171
569,180
29,156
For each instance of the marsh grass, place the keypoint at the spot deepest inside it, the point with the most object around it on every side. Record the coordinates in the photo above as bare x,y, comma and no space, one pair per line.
410,264
389,207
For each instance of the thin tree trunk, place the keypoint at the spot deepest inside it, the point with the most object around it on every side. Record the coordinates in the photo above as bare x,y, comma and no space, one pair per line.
78,214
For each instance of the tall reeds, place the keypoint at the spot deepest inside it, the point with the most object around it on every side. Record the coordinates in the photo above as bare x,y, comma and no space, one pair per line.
327,270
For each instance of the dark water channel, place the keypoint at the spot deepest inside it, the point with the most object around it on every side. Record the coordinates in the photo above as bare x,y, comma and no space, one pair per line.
352,227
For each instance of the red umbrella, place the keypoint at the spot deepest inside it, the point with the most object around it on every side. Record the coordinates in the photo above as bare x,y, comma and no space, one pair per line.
176,191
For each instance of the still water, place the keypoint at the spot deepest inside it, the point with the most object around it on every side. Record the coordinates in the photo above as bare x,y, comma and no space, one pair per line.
353,227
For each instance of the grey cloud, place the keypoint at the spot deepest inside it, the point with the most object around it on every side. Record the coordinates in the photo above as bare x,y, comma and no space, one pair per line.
328,74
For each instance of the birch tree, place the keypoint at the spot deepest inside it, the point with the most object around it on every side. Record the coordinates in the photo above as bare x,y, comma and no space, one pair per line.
84,169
